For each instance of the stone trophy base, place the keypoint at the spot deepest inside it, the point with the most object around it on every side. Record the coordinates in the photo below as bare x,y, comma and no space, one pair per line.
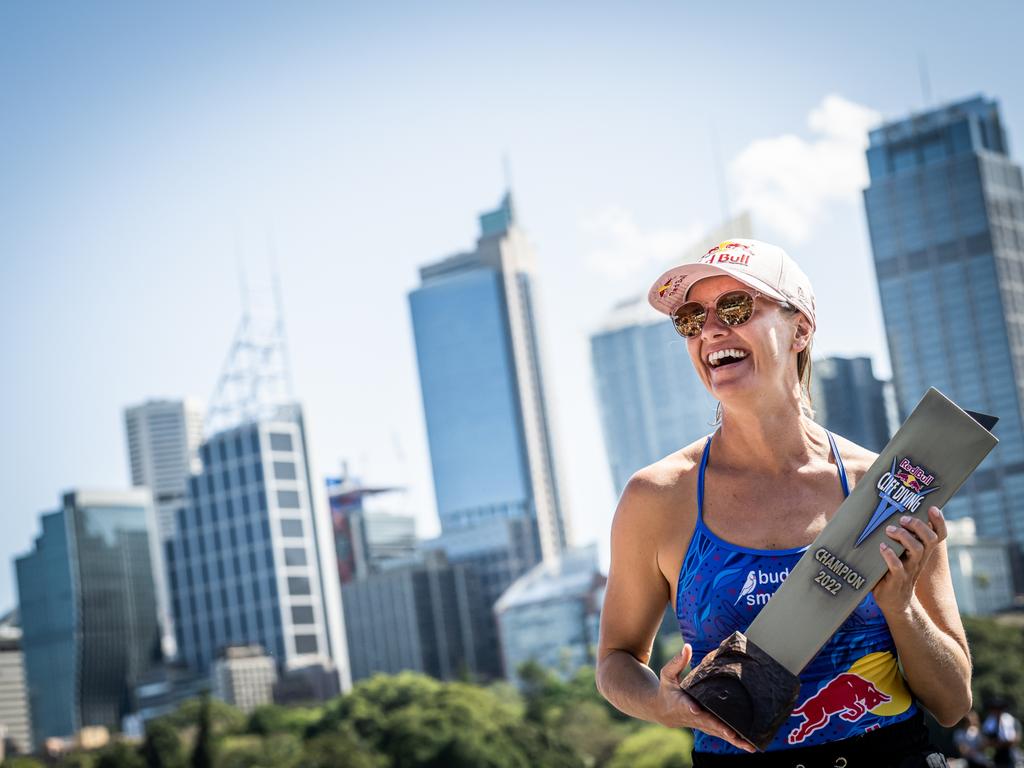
744,687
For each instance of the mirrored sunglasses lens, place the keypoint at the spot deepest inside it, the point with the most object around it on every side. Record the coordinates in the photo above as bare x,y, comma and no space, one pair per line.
735,308
689,319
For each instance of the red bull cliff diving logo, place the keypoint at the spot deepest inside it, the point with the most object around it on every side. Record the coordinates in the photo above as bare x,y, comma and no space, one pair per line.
900,490
872,685
728,252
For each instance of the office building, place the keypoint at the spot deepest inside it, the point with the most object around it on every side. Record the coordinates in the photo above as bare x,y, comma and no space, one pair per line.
945,210
244,676
15,720
488,412
369,535
980,569
850,401
252,559
88,611
552,614
163,439
651,400
426,618
163,451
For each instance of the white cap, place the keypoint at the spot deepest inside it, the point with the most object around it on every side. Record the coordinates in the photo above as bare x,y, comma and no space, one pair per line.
764,267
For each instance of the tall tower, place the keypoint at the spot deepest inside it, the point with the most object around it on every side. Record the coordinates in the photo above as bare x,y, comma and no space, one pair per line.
163,450
88,610
252,559
850,401
946,213
492,447
651,400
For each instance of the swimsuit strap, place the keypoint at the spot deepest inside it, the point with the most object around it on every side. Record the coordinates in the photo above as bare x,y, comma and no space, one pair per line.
839,463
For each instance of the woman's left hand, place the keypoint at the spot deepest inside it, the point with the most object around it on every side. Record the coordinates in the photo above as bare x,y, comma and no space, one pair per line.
896,589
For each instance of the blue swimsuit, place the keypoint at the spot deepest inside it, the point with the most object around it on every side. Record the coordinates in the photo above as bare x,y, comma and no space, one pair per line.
852,686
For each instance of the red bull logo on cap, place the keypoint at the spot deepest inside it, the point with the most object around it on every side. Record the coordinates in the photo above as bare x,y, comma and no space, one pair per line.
728,252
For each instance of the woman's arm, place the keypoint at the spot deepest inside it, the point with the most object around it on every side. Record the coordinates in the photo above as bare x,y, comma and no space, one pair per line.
916,597
634,603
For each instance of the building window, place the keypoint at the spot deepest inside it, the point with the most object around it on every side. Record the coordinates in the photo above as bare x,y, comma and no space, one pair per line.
288,499
305,644
291,528
280,441
294,556
302,614
284,470
298,585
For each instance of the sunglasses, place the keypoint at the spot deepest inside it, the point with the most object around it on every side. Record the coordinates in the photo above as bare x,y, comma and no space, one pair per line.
732,308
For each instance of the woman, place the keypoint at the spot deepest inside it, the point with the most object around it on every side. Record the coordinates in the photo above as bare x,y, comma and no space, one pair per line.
715,527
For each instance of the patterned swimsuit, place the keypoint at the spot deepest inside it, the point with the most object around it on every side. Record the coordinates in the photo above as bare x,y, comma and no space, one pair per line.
852,686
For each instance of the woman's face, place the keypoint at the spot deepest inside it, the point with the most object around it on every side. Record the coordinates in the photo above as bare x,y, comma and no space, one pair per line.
765,346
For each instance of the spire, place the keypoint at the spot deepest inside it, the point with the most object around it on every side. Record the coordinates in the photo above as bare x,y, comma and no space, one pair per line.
255,381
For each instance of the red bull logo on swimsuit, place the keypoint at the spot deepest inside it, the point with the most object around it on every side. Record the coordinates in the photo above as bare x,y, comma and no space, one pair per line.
728,252
900,491
872,685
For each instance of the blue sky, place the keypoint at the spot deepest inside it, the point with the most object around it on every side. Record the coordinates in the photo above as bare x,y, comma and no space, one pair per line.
145,148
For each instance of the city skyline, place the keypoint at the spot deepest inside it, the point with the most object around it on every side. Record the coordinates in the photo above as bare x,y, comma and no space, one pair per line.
111,272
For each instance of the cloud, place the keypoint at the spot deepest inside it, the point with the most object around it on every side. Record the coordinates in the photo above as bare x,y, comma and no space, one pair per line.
616,246
787,181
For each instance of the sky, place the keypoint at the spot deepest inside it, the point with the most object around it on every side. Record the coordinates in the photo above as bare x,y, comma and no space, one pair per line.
148,149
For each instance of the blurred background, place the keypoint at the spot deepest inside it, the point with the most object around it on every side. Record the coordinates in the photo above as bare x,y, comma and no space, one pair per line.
328,350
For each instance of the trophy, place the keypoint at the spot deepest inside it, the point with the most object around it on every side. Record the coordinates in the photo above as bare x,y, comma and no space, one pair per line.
751,681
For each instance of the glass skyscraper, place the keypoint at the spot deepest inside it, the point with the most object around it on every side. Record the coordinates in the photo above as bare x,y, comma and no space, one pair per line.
945,210
88,610
651,400
492,447
252,558
850,401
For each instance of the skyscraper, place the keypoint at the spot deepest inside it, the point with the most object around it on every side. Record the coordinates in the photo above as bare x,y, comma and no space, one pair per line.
163,444
252,557
88,610
946,213
15,721
430,618
850,401
367,540
651,400
163,451
492,448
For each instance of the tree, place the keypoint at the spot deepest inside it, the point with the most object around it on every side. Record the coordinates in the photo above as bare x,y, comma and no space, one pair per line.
203,753
119,755
997,653
274,718
341,749
418,722
654,746
19,761
162,747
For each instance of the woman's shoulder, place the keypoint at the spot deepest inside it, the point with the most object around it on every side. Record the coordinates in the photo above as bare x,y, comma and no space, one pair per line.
666,484
856,458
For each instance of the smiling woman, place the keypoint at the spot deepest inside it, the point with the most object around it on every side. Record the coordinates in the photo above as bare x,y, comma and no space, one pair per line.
715,539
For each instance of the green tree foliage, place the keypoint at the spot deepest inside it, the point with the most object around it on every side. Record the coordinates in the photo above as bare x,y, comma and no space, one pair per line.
119,755
418,722
19,761
204,751
224,719
277,719
997,652
281,750
162,747
341,749
654,746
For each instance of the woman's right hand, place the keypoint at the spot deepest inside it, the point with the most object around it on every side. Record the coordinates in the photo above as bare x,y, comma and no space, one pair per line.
677,710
